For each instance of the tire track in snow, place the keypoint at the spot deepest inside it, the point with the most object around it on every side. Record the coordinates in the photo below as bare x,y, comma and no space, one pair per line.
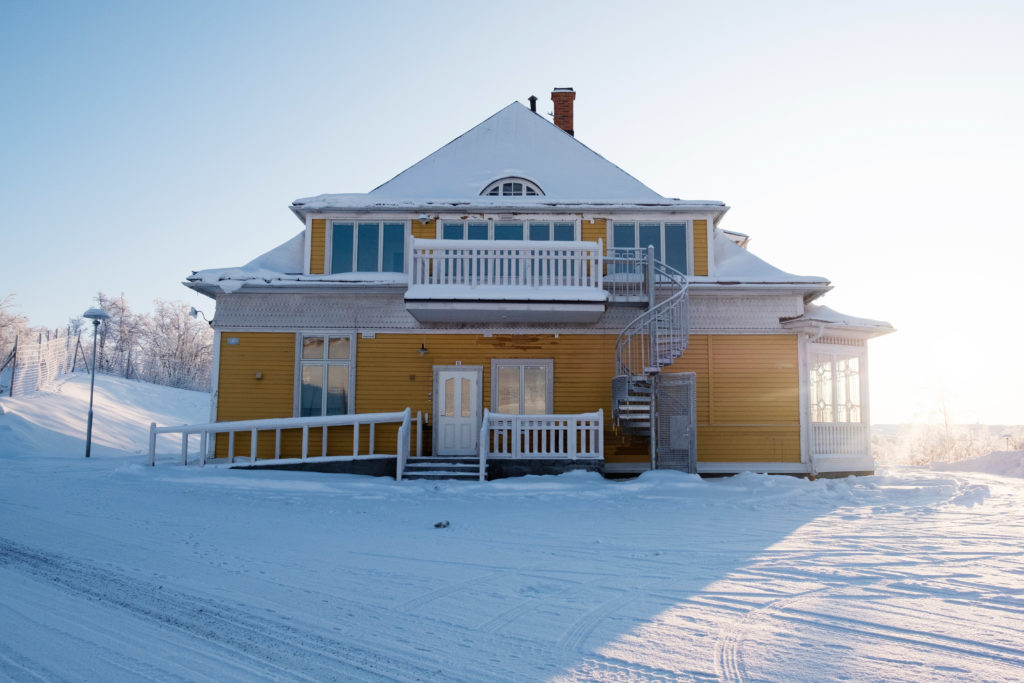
729,646
275,646
585,625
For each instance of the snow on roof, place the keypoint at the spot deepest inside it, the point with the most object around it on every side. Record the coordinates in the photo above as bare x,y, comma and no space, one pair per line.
733,263
823,314
348,201
514,142
825,317
284,258
282,265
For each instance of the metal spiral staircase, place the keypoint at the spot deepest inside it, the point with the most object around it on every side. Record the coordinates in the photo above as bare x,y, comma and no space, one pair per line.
651,341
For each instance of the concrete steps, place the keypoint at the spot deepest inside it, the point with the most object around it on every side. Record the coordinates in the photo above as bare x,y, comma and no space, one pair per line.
443,467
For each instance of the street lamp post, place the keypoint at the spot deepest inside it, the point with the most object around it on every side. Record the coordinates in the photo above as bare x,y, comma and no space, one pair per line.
96,315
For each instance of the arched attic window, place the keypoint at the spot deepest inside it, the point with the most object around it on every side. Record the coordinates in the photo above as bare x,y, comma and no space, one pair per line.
512,187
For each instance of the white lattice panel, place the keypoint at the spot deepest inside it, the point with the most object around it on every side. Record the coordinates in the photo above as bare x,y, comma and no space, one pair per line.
382,312
709,314
386,311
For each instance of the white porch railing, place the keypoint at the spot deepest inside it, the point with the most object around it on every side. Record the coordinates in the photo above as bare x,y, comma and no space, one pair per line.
278,425
489,263
570,437
840,438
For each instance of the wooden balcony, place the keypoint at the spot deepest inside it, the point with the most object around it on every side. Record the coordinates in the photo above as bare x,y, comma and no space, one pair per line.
505,281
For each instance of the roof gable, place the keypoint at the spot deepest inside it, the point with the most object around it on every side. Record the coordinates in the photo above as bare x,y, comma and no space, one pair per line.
515,142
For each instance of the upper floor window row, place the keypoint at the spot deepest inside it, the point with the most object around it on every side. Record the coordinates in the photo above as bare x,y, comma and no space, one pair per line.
512,187
668,240
543,231
367,247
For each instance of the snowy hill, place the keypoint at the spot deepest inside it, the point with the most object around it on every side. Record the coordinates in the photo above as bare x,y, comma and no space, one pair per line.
113,570
53,423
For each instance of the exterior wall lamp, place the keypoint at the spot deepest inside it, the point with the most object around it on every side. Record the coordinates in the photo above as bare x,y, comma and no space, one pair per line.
194,313
96,315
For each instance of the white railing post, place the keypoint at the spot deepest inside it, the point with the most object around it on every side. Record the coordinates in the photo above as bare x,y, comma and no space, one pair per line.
203,445
184,448
152,443
403,445
483,446
252,445
419,434
574,424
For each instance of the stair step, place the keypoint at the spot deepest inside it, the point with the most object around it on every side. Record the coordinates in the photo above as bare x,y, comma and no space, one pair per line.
440,474
630,411
447,467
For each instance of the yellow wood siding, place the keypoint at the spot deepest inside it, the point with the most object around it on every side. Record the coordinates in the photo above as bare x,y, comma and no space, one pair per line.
700,247
424,230
317,245
748,401
392,374
243,396
747,388
592,232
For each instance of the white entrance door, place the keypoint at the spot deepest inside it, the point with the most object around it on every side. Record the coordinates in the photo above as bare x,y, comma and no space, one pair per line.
457,414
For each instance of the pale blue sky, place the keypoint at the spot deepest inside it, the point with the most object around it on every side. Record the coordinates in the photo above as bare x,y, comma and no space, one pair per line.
878,143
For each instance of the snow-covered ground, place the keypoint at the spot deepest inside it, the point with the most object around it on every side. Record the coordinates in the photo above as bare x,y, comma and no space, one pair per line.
112,570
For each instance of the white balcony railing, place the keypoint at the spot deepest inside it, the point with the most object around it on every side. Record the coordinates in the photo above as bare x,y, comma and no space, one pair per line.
504,435
527,264
254,428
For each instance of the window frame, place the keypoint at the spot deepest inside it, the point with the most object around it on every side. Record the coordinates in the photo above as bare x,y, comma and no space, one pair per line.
836,353
662,221
500,183
546,363
356,222
324,362
524,221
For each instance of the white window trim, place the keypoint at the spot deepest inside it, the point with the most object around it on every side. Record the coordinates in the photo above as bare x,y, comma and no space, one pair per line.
380,221
512,179
661,221
547,363
299,361
491,220
858,352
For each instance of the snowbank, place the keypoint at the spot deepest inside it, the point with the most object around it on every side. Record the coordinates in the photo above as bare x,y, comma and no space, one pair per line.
1003,463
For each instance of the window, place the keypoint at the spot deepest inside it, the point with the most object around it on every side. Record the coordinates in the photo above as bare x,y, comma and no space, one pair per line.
367,247
324,375
521,386
668,240
512,187
835,387
559,231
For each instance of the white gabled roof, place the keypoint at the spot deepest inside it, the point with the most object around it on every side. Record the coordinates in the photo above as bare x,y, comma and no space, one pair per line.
515,142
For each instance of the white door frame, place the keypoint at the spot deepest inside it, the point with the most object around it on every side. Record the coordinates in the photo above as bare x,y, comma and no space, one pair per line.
478,372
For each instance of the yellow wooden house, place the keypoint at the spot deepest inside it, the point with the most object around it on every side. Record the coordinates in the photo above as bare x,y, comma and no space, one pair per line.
515,303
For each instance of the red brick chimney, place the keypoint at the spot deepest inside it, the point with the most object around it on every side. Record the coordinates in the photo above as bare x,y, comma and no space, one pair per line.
563,97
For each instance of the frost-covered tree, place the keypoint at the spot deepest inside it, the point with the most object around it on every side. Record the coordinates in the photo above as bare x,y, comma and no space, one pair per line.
176,349
119,336
12,325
